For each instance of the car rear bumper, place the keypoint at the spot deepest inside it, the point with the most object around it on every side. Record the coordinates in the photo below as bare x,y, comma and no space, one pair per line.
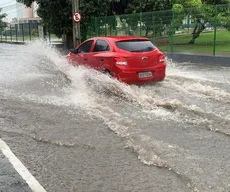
132,77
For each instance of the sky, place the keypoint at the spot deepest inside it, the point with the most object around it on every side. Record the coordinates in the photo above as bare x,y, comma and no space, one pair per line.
9,7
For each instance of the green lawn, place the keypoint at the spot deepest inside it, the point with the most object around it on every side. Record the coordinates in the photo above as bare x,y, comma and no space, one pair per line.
203,45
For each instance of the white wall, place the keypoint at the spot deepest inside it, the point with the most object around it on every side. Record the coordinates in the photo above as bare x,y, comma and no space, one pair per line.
23,11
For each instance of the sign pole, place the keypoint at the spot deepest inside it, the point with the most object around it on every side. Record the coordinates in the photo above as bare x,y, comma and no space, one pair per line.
76,25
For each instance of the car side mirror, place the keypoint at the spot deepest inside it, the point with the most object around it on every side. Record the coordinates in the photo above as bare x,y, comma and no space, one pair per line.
74,51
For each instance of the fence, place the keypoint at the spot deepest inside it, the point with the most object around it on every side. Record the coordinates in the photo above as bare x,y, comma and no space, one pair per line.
199,30
22,32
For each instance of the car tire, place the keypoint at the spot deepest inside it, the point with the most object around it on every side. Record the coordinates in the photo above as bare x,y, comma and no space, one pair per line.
107,72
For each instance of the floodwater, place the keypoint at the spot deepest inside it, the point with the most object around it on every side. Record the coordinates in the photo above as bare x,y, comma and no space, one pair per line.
78,130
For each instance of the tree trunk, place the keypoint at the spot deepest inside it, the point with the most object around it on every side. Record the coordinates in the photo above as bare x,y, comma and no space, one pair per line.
146,33
68,40
196,32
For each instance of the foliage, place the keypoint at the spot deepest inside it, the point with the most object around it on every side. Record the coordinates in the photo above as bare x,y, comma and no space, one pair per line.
34,33
155,22
201,13
2,24
14,20
179,15
92,8
188,3
148,6
215,2
57,14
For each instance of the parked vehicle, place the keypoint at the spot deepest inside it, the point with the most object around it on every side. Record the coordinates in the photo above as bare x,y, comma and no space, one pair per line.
133,60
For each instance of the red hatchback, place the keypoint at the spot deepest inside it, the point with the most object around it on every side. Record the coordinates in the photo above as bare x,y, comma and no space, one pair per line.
133,60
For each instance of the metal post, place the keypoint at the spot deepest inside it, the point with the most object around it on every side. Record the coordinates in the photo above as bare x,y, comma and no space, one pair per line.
44,33
1,31
38,30
188,22
95,26
153,20
172,31
49,37
76,26
110,28
16,32
115,17
11,34
6,34
105,27
29,31
140,23
215,23
23,39
99,26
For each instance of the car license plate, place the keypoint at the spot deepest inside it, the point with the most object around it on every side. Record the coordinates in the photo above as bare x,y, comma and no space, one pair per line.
145,74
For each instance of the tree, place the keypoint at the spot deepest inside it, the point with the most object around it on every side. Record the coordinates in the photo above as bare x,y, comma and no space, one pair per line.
93,8
202,12
2,24
155,21
14,20
57,15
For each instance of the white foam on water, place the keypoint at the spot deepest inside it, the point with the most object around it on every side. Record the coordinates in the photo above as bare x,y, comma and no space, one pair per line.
211,92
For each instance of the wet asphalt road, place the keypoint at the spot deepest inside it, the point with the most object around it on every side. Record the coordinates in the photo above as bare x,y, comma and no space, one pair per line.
10,180
78,130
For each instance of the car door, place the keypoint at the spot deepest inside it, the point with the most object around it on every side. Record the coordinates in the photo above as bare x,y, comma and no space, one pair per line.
82,53
98,56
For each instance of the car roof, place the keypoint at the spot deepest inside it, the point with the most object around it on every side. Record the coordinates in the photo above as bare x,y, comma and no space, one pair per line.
120,38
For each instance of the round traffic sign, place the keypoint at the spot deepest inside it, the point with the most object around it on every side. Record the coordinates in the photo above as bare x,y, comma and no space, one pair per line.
77,17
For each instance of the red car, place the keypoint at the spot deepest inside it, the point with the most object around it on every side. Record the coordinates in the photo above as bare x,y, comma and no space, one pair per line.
133,60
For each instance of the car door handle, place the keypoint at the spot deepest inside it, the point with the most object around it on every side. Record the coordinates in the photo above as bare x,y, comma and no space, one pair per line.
101,59
85,59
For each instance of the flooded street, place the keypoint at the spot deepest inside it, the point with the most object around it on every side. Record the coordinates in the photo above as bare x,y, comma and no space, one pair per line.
78,130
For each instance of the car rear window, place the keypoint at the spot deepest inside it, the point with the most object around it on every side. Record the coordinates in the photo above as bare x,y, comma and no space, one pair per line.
136,45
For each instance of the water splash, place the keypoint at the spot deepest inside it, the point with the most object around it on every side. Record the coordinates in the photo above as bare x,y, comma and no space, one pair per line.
189,98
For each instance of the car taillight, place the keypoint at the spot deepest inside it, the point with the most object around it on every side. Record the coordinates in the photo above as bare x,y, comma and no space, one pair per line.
121,61
162,59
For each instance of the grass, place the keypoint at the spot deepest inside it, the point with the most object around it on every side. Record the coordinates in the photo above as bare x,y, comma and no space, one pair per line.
203,45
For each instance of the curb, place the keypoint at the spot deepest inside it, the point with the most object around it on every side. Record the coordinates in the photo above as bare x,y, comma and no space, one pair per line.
13,42
204,59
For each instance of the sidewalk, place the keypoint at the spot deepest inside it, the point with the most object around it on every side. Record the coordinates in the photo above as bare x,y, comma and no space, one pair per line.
10,180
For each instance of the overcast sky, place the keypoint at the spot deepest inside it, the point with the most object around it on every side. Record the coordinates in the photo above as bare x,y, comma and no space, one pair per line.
9,7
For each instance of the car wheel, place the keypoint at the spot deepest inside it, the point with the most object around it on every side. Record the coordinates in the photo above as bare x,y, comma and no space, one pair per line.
107,72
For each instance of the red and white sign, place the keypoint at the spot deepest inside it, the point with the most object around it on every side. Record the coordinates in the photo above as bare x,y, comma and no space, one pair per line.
77,17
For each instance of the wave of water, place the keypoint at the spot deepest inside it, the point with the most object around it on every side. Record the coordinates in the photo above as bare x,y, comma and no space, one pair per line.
189,98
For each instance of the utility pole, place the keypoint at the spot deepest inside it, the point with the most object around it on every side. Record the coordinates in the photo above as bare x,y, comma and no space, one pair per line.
76,26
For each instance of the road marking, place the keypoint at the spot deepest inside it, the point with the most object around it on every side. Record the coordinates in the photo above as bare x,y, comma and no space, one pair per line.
20,168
